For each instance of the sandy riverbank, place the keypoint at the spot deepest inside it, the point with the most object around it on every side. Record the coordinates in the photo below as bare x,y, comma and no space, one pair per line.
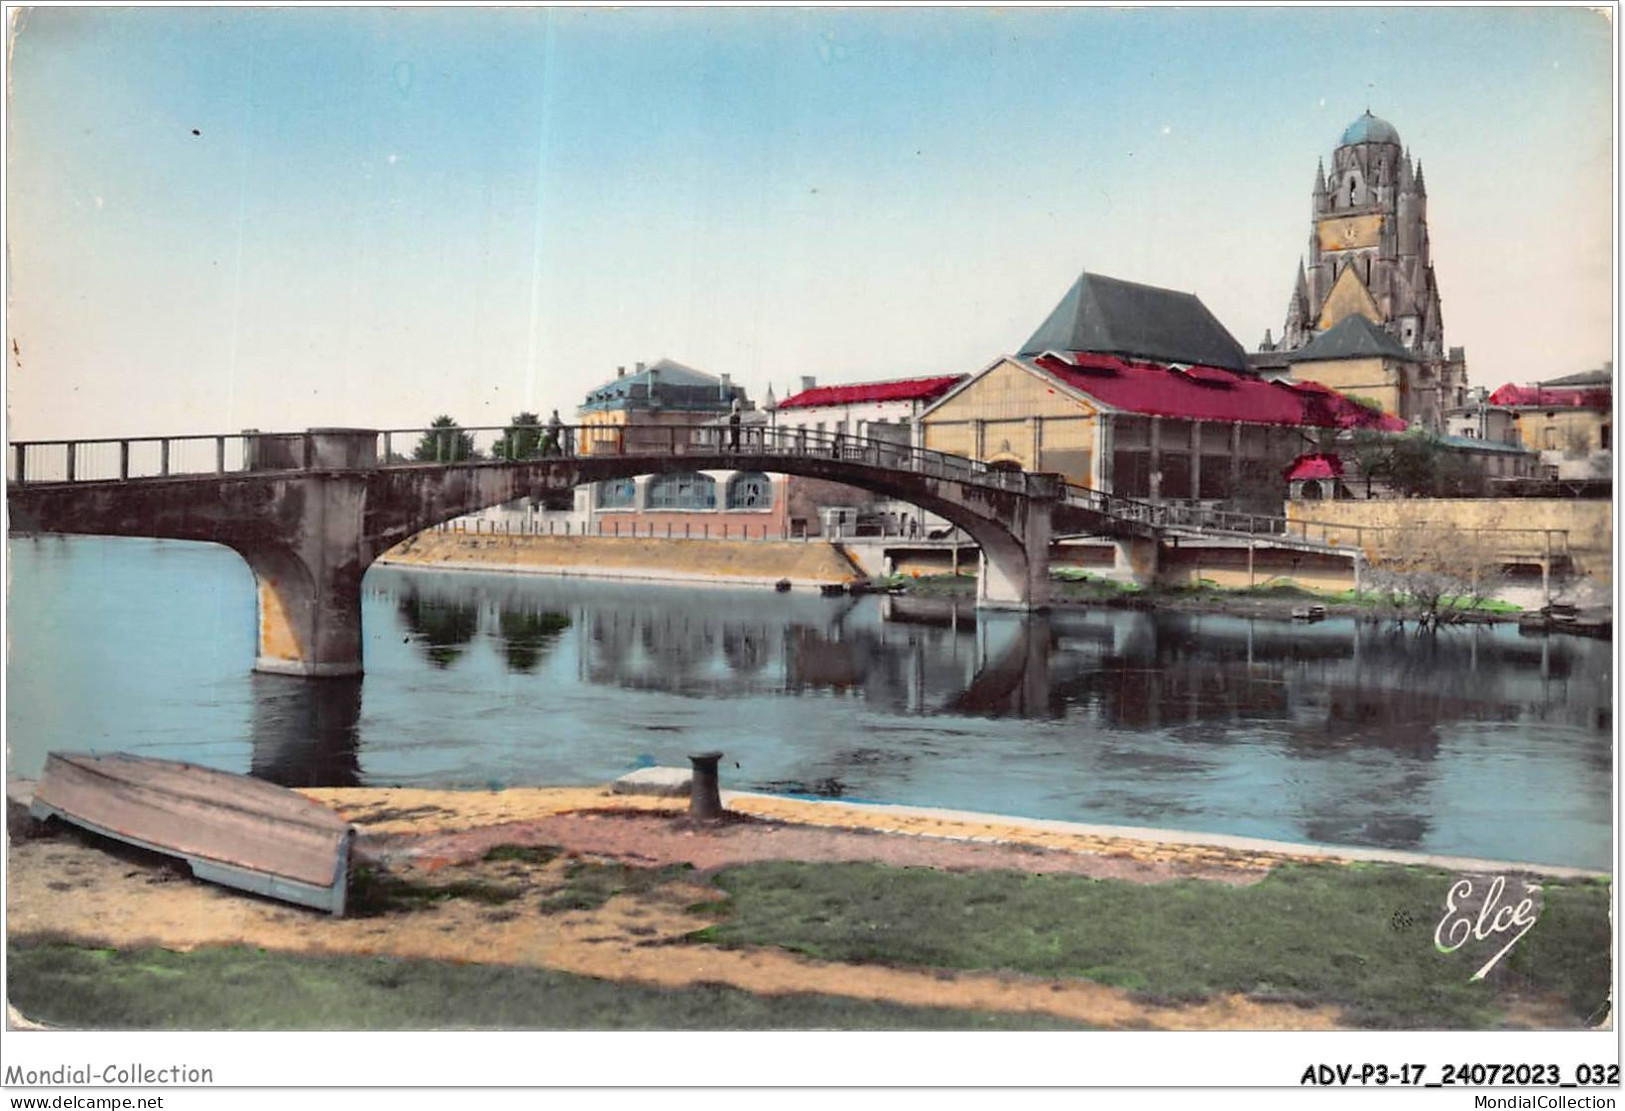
746,562
66,888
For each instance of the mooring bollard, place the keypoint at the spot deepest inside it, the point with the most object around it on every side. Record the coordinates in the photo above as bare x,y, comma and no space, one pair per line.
704,800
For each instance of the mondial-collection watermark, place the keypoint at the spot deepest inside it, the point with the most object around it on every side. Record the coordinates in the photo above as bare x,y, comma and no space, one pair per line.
68,1076
1542,1103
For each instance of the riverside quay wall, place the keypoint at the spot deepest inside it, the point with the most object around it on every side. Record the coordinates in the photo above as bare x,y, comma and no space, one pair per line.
1589,522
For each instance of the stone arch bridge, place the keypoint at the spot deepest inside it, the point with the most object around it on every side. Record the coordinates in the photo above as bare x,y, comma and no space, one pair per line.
311,511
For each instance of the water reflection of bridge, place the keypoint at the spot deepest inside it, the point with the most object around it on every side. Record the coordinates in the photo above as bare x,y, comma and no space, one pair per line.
1141,671
1164,701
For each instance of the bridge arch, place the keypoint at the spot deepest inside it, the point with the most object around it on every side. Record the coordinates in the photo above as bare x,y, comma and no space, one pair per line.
309,535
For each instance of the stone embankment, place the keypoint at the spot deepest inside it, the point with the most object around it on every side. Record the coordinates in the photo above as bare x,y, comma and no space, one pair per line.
758,562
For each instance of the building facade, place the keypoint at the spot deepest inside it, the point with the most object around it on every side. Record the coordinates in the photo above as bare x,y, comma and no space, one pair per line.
1569,421
1369,255
885,410
1360,360
1141,392
637,407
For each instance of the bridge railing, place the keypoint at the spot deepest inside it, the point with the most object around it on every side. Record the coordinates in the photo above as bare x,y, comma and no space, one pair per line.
427,446
1510,542
149,457
57,461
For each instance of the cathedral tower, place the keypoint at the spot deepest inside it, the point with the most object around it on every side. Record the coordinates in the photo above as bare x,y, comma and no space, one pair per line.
1369,256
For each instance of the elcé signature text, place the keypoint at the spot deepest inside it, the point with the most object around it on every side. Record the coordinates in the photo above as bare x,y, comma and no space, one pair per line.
1493,918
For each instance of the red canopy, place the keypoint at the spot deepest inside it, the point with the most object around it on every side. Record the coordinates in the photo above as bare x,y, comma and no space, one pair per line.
1314,465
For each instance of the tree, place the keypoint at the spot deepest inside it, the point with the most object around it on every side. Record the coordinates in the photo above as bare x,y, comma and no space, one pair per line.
522,439
1259,488
1416,464
444,443
1436,575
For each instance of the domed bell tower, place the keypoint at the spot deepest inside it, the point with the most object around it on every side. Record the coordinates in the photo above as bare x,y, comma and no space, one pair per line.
1369,254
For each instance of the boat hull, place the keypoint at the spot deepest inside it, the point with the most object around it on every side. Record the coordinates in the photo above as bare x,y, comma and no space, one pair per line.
230,829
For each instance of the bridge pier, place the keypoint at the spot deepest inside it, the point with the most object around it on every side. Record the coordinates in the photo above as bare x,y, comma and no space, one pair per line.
307,578
1013,570
309,617
1137,559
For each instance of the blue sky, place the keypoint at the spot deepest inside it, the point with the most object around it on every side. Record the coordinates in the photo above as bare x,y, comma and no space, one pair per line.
389,214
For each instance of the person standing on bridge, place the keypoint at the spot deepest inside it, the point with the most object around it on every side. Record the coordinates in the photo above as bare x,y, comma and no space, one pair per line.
734,420
554,444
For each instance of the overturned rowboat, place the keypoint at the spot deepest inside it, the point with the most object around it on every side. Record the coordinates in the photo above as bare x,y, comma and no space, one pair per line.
231,829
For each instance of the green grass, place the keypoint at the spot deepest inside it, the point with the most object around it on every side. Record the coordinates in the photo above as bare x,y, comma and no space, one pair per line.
374,893
588,886
1311,934
1568,950
1357,598
949,585
1483,605
524,854
1277,589
1075,582
240,988
1386,602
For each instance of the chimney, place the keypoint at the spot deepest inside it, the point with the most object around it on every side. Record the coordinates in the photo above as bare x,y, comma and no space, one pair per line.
808,382
620,372
726,387
640,368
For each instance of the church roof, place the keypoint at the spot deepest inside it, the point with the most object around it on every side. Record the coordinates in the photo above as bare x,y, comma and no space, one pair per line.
1354,337
1110,316
1369,129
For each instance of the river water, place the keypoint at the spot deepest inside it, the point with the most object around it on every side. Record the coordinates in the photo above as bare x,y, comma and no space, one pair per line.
1477,742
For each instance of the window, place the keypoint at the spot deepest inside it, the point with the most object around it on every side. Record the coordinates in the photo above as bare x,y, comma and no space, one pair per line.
690,490
750,490
621,493
1550,440
1605,435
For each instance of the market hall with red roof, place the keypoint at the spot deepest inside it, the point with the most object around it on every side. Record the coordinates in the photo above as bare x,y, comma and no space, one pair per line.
1141,391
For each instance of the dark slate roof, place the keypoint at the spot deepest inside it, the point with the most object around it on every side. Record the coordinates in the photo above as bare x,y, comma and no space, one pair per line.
1354,337
1601,377
1259,361
1107,316
667,383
